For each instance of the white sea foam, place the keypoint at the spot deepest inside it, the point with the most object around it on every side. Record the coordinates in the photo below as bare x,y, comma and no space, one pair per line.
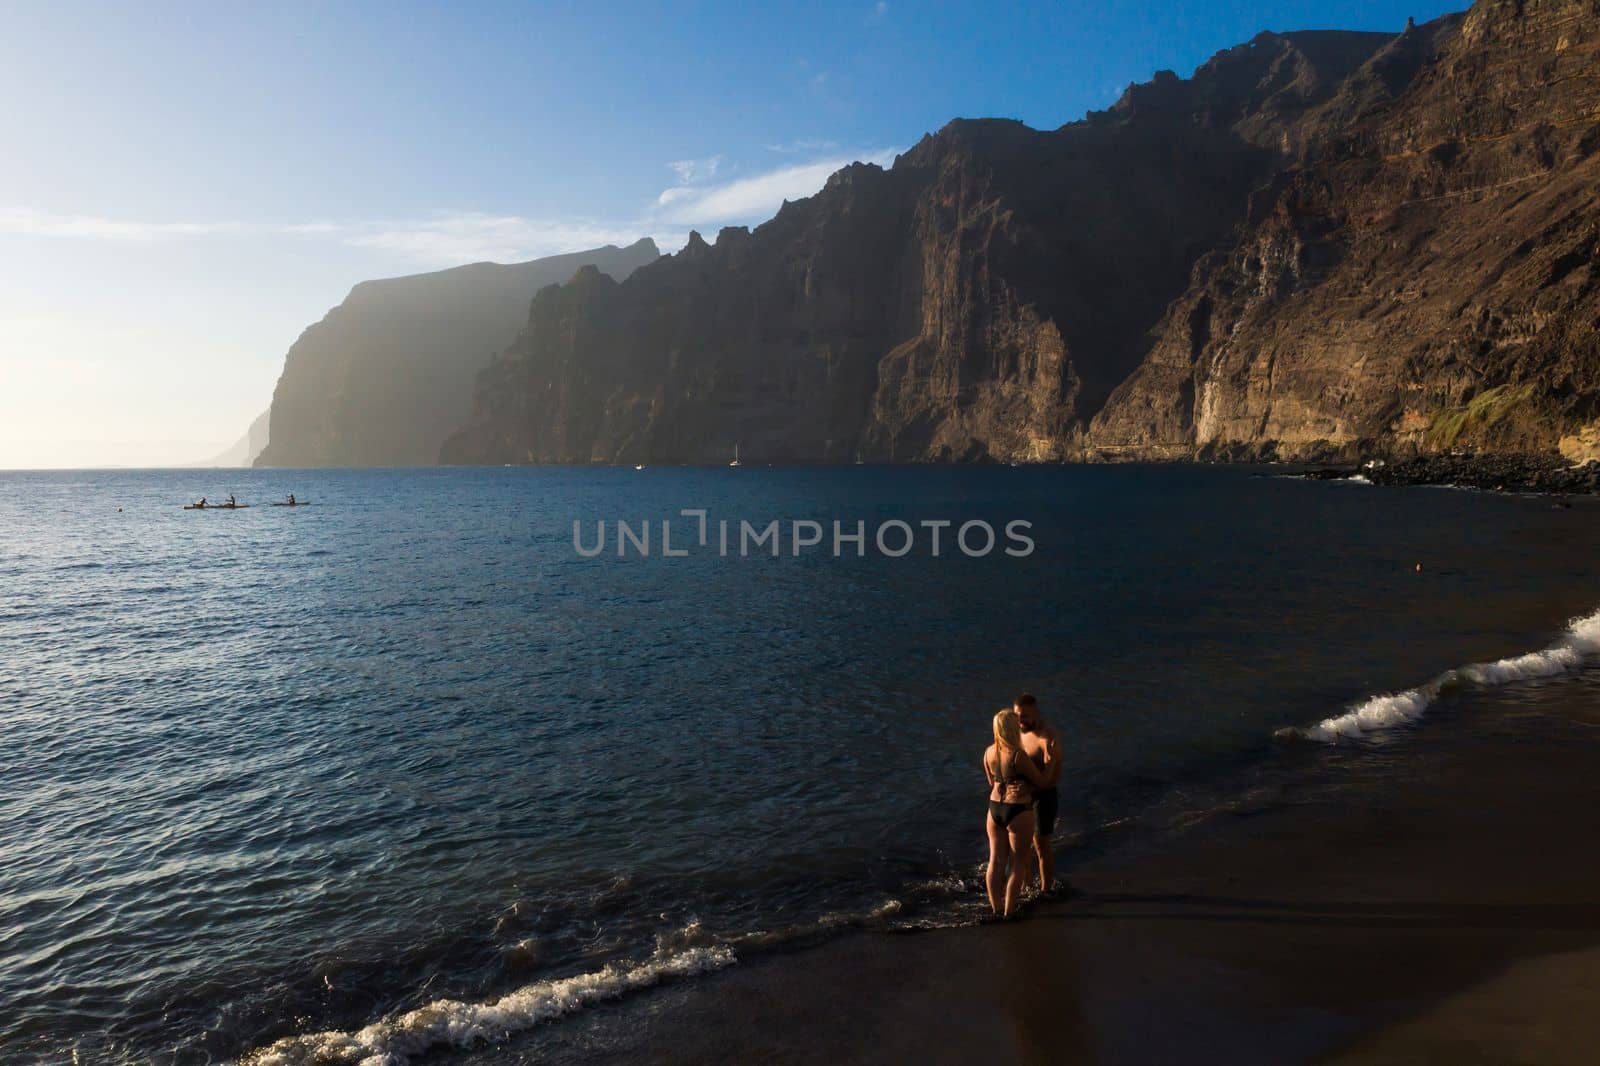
395,1040
1566,654
831,922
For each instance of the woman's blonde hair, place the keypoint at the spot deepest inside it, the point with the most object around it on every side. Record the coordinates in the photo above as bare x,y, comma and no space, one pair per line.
1007,737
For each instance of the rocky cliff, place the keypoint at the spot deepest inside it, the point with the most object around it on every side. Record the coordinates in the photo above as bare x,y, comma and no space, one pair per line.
979,299
1424,279
389,373
1321,244
247,448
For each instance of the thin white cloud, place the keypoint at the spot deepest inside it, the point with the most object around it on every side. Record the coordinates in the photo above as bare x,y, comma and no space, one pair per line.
442,239
681,192
451,238
690,171
804,144
755,197
26,222
30,223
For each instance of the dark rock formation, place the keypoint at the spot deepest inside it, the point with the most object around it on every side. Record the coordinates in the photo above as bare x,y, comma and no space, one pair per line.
1323,246
1512,472
979,300
389,373
1539,472
1424,280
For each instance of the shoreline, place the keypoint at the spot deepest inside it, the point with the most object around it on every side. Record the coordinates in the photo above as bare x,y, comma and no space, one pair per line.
1508,473
1511,473
1448,917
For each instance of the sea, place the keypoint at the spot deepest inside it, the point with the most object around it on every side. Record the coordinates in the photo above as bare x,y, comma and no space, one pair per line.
450,755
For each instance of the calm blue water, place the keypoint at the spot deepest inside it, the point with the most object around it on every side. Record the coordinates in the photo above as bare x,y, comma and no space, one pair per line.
275,772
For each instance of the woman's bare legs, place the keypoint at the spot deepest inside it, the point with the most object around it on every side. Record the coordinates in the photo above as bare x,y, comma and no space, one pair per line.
1020,842
999,856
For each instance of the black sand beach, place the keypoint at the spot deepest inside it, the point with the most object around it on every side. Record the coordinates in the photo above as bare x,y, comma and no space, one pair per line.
1454,917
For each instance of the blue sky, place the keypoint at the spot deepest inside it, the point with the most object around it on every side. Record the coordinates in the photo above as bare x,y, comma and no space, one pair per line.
188,186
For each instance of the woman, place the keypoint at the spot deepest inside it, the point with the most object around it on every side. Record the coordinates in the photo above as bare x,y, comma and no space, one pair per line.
1012,778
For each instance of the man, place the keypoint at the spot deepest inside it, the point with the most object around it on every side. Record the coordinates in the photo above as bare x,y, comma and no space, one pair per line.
1043,746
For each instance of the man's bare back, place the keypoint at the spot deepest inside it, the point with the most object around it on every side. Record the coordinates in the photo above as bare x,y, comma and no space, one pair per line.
1043,745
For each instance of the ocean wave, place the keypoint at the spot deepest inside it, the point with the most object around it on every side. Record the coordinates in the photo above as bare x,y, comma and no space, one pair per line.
1348,479
821,926
689,951
1385,711
396,1040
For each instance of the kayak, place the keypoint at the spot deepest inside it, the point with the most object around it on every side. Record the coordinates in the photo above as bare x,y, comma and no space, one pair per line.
215,507
297,503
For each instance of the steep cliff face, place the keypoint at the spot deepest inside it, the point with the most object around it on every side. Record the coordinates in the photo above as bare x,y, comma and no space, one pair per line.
763,341
1423,279
1322,245
247,448
979,300
389,373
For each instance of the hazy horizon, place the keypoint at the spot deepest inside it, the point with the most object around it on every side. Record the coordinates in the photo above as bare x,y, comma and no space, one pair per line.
199,186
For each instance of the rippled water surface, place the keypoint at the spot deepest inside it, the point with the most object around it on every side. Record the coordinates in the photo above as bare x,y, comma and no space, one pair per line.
274,772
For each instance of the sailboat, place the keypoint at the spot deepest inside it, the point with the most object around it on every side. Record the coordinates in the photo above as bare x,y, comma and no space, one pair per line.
736,456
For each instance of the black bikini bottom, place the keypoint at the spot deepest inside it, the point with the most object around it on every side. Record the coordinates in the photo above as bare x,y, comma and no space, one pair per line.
1003,813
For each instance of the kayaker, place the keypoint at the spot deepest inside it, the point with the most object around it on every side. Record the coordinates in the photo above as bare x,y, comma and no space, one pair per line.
291,499
202,502
231,501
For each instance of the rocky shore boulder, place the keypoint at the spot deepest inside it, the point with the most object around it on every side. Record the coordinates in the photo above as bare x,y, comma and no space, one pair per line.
1497,473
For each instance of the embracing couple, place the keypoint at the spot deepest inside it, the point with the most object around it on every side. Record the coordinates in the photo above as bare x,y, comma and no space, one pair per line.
1022,766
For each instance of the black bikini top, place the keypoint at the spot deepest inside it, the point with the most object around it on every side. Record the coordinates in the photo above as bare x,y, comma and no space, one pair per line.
1002,778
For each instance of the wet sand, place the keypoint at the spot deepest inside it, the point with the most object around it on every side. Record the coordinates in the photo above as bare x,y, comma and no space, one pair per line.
1538,1010
1449,917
